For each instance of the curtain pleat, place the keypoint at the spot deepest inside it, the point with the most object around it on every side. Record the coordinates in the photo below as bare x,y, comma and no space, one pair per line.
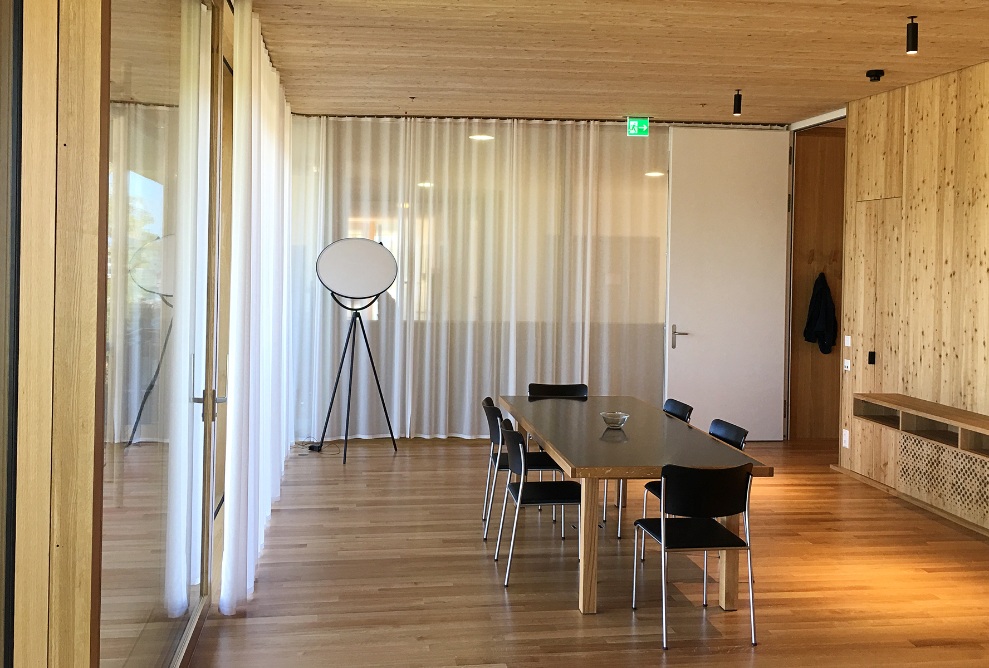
259,393
536,256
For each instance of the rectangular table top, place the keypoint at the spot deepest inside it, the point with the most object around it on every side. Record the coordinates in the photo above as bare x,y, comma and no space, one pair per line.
572,431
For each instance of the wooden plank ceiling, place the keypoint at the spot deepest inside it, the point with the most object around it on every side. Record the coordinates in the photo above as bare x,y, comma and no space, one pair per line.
677,60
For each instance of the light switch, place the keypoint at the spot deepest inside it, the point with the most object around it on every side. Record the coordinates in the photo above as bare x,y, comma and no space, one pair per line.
848,339
844,438
847,365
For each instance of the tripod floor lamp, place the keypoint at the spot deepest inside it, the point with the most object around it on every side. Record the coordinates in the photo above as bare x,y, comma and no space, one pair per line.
358,271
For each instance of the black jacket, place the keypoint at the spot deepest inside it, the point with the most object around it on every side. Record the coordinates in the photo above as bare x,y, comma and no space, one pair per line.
822,325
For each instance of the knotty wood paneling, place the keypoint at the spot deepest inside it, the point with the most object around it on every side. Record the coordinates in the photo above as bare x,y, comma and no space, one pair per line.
946,240
922,214
880,146
818,216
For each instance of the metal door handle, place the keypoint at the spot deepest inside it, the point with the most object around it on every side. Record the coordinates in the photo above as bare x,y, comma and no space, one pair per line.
216,400
199,400
674,336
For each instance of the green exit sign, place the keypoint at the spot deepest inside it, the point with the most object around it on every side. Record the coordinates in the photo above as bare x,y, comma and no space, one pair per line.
638,127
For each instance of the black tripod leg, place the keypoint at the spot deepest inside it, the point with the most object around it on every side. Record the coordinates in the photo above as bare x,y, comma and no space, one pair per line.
319,446
350,387
378,383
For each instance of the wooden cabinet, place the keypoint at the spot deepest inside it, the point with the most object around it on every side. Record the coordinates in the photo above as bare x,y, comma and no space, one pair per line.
938,455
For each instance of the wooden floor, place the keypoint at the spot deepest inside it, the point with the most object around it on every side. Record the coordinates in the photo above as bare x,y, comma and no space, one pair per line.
380,563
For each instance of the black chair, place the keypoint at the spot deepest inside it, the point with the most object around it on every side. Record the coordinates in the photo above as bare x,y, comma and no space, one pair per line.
498,460
557,391
678,409
723,431
730,433
698,497
525,493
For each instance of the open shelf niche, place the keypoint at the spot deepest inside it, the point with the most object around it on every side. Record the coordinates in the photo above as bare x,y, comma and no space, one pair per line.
928,420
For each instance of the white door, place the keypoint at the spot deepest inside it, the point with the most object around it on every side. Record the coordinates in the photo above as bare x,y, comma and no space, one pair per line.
727,281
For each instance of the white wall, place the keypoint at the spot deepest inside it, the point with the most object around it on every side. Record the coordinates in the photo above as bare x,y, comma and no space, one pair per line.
728,275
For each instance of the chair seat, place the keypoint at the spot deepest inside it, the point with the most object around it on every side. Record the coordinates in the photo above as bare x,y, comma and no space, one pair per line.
692,533
535,461
548,493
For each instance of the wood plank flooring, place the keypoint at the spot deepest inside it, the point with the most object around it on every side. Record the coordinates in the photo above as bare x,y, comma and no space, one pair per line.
381,563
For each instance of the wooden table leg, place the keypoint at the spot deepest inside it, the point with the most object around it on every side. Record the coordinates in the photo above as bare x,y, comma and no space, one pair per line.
728,570
588,599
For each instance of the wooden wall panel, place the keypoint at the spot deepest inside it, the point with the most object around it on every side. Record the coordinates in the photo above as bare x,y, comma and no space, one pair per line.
888,276
969,262
929,240
39,101
60,383
818,216
880,146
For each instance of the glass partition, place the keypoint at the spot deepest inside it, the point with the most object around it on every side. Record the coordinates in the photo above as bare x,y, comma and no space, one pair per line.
160,73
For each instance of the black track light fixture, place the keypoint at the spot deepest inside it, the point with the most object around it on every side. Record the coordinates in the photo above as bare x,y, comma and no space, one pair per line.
913,30
736,109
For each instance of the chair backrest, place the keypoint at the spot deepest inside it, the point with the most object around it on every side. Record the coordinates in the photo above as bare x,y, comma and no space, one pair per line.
515,445
678,409
493,414
550,391
730,433
693,492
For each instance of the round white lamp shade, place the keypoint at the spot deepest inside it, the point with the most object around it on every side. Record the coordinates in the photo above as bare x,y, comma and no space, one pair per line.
356,268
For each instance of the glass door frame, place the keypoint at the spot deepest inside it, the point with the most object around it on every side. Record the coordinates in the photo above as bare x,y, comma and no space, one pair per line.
209,398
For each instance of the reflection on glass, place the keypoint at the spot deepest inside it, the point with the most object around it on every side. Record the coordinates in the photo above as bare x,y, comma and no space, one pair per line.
152,515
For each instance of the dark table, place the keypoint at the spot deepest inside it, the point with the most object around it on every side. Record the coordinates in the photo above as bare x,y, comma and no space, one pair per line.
574,434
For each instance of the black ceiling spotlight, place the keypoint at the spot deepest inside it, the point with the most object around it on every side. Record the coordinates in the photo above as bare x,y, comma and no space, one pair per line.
875,75
736,109
913,30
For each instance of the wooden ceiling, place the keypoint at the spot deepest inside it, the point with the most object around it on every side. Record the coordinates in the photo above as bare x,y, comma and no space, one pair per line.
676,60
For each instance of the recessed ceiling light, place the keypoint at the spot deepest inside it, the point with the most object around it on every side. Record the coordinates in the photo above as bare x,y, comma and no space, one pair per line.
655,174
425,184
481,137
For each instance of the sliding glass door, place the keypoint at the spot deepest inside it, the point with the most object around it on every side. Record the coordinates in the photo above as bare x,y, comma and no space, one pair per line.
161,307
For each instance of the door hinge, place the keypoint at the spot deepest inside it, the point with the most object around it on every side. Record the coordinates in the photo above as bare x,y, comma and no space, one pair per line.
785,409
789,203
791,155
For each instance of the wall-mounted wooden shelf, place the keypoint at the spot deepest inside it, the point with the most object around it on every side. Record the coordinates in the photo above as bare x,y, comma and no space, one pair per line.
935,422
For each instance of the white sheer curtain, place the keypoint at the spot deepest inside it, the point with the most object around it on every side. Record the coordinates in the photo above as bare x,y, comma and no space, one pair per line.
259,395
535,256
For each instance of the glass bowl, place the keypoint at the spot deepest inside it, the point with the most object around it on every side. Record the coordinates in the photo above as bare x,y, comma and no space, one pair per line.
614,419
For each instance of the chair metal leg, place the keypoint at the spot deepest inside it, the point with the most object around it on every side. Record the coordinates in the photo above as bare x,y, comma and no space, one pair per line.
645,495
621,489
635,566
487,483
511,547
501,525
563,522
751,599
663,568
604,502
705,578
554,507
491,494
